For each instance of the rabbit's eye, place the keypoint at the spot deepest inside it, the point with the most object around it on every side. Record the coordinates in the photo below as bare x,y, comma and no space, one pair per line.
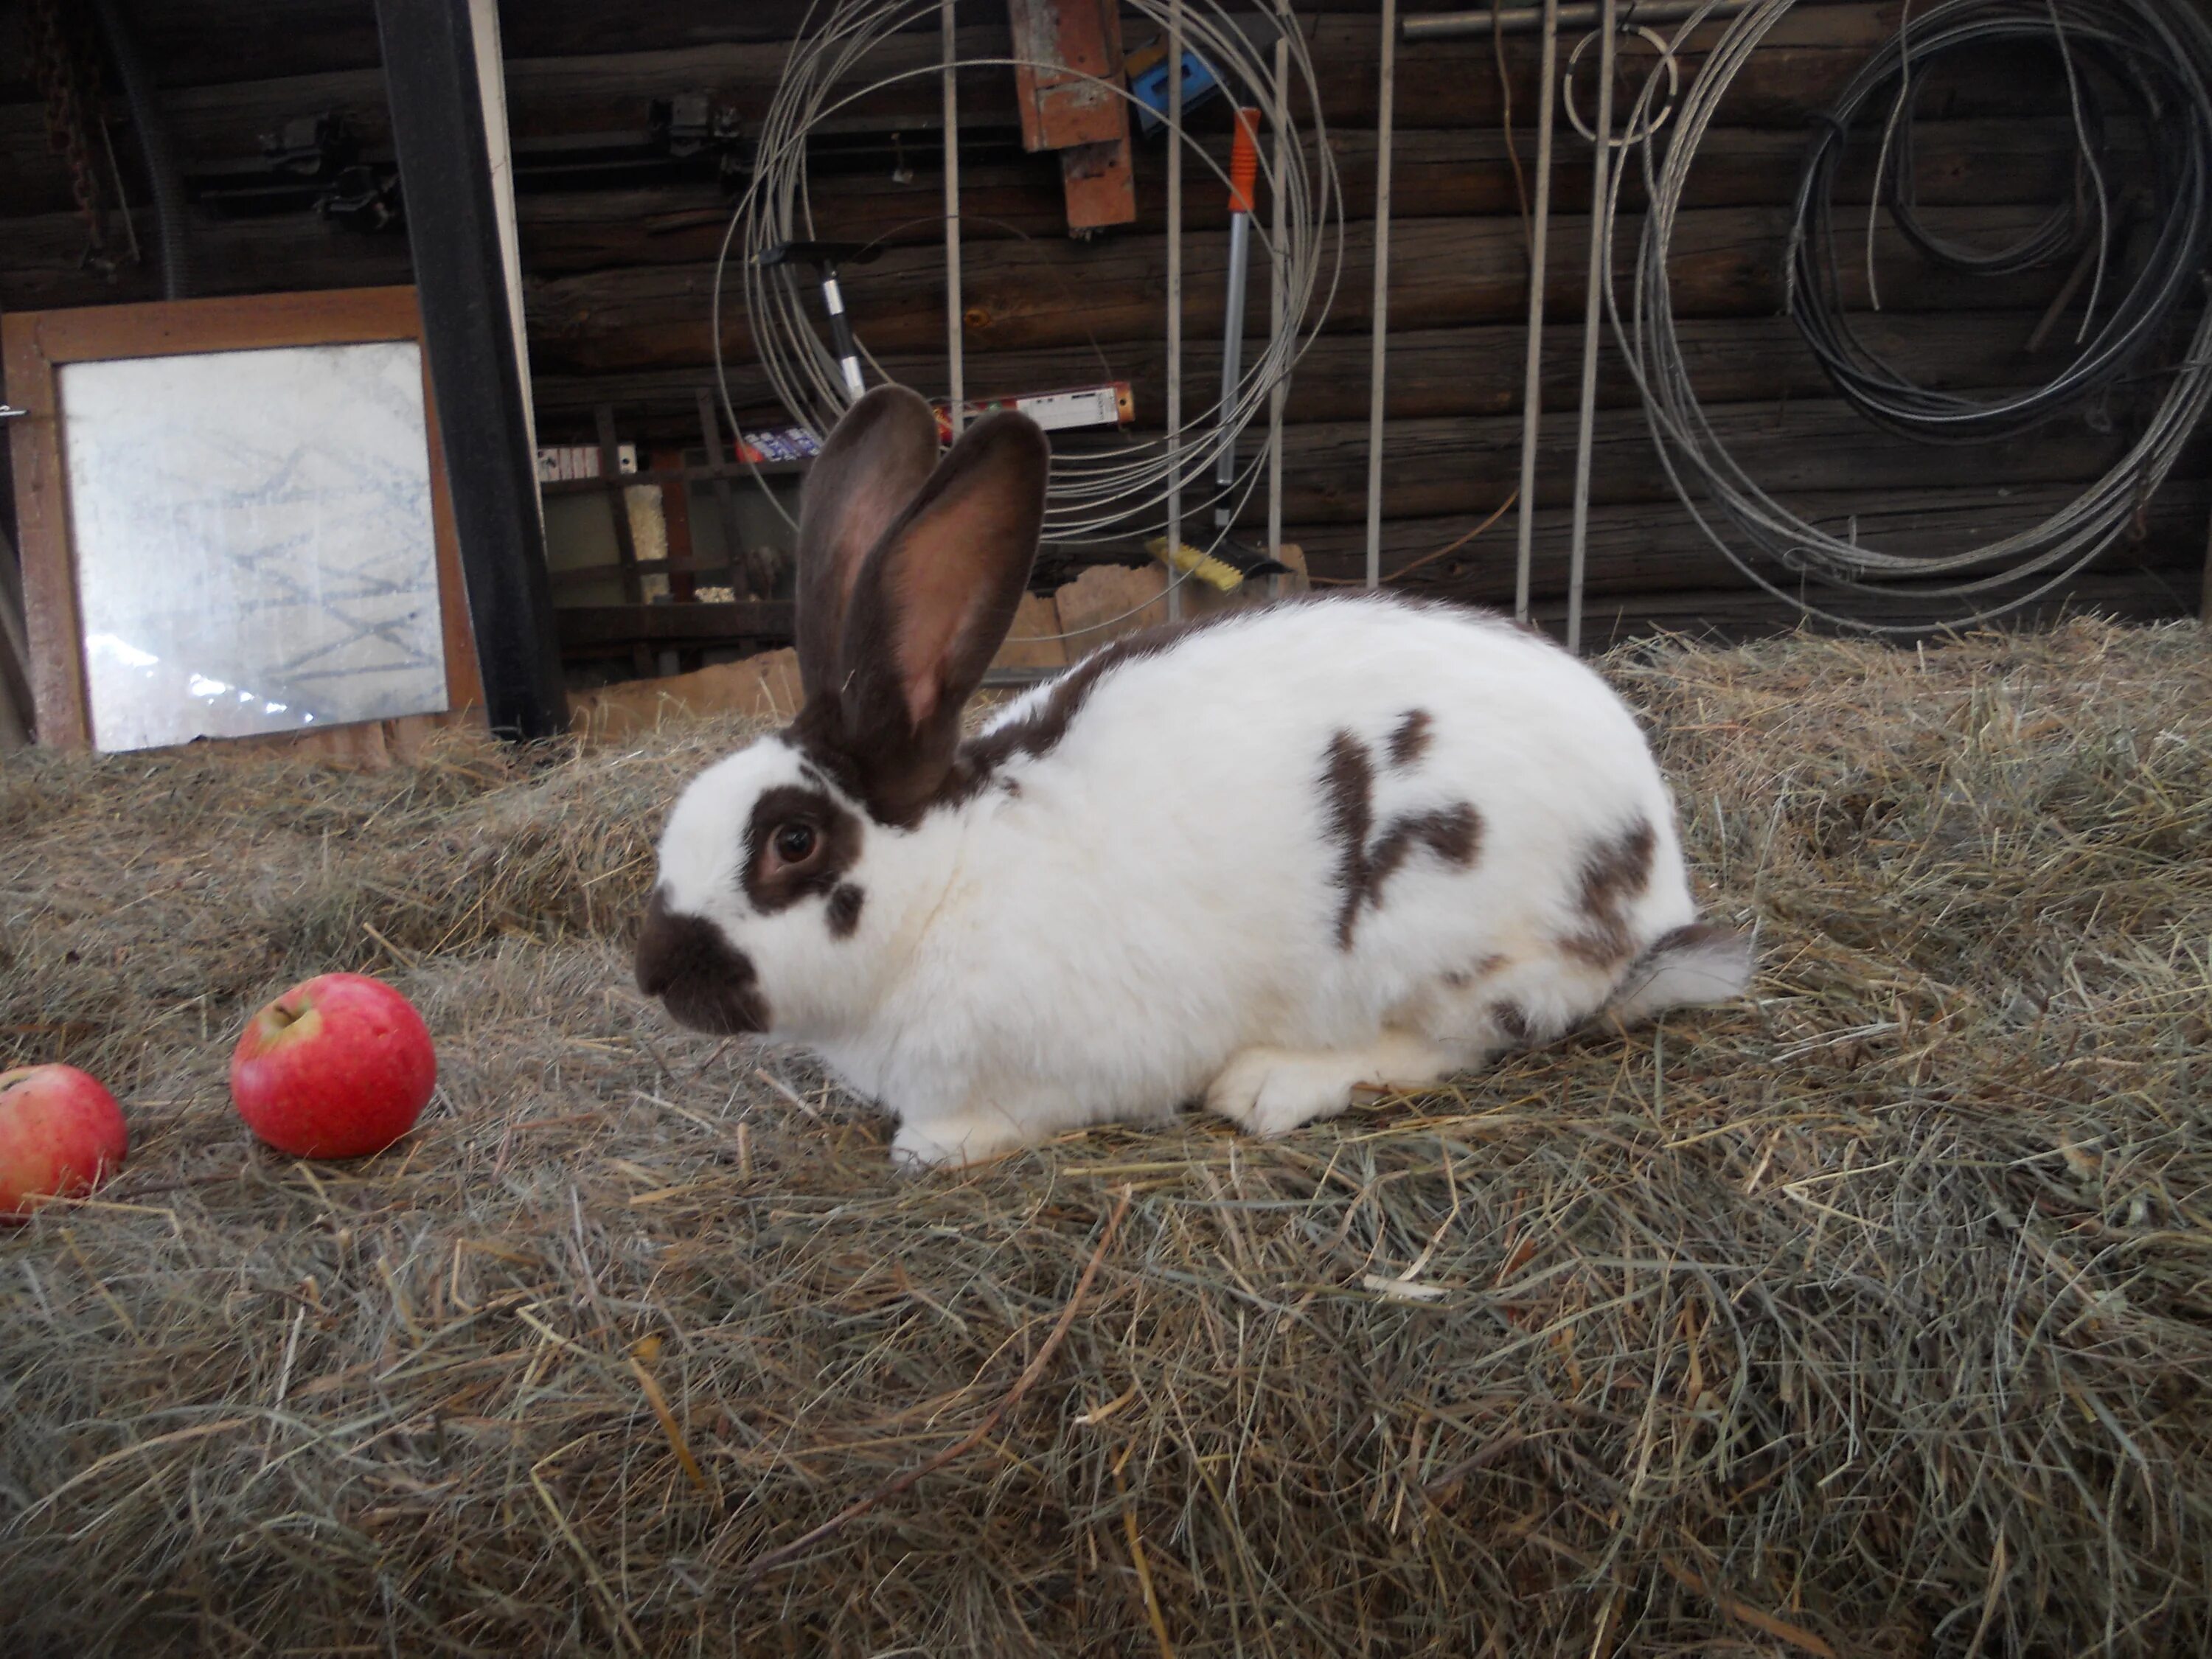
794,842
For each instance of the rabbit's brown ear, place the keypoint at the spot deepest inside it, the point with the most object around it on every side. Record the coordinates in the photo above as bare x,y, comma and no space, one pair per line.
931,607
872,466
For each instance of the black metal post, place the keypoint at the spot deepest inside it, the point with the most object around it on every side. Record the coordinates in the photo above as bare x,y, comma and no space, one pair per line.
444,181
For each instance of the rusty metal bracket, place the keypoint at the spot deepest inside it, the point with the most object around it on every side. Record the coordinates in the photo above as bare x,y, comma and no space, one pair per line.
1067,70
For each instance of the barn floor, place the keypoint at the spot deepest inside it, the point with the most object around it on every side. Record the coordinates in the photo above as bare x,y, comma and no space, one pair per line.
1871,1316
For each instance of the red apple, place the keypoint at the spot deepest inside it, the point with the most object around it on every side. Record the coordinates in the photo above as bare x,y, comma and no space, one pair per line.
60,1135
339,1066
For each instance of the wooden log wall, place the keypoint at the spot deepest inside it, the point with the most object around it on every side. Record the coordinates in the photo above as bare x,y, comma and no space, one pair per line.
618,279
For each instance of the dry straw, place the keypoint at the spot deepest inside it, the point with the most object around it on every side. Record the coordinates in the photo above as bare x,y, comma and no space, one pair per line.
1868,1317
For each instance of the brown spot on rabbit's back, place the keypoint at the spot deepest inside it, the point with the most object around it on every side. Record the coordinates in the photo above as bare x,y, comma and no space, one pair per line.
1411,737
1347,786
1615,872
1452,832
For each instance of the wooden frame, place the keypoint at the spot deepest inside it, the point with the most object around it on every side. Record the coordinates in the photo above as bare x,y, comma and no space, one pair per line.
34,345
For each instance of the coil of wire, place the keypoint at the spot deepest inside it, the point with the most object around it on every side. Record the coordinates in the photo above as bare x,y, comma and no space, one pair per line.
1122,492
2160,52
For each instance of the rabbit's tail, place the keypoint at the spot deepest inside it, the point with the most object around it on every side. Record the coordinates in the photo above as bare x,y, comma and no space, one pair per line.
1701,962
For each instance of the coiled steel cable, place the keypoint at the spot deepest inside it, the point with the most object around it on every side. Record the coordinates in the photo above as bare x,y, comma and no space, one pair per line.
2143,50
1773,546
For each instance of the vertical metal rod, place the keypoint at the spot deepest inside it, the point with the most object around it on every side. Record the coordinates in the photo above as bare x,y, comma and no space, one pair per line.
1378,351
1232,361
840,330
725,500
1594,302
1531,385
1279,392
1174,306
956,367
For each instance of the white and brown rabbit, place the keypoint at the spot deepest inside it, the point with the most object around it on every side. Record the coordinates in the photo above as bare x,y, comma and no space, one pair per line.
1257,859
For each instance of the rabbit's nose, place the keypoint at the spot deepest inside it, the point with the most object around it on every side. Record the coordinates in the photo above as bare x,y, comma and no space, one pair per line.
705,981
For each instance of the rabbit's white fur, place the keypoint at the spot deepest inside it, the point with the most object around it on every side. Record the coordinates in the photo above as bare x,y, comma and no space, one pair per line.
1246,871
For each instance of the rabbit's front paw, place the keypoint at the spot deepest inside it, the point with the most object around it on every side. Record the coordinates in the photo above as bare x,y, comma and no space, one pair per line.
1271,1091
969,1137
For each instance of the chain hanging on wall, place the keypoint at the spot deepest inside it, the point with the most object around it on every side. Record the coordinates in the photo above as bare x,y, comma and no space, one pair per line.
62,48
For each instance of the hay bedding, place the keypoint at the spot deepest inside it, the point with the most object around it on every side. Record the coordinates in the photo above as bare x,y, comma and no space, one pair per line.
1872,1317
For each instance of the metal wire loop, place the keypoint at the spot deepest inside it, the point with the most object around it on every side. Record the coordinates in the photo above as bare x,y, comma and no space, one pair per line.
1632,135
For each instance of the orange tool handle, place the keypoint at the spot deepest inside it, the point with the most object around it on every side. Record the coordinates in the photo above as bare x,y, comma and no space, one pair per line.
1243,160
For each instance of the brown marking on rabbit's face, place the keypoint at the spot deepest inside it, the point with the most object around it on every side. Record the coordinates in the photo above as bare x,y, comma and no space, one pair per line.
759,891
1613,872
1453,832
702,979
800,843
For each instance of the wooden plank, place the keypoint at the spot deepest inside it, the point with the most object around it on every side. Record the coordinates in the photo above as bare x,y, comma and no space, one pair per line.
190,43
1808,58
676,518
169,327
572,235
614,488
50,617
1446,170
41,266
1473,370
726,502
1657,546
1434,173
616,497
220,99
1467,465
15,706
686,567
665,476
1726,261
464,677
615,628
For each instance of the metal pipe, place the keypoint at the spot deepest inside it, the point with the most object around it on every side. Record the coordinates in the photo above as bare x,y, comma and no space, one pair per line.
1232,342
1458,25
1175,307
1382,120
1279,392
956,368
1243,163
840,330
1539,238
1608,38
